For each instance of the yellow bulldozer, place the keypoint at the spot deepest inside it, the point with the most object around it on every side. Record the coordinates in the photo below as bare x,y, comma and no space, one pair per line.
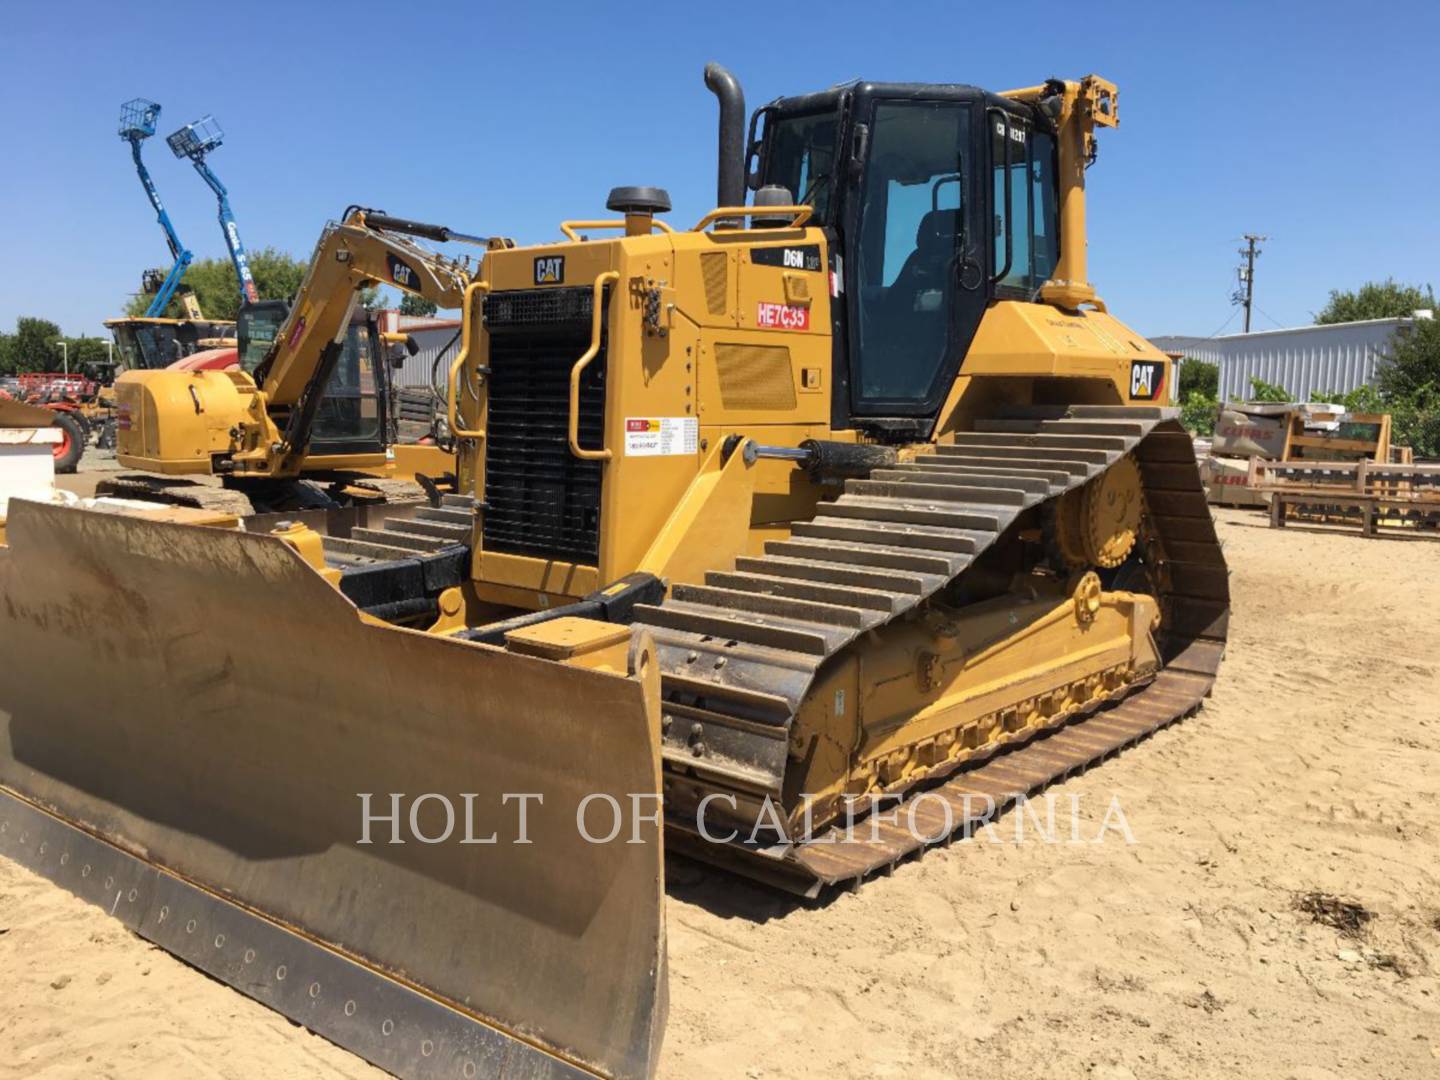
797,540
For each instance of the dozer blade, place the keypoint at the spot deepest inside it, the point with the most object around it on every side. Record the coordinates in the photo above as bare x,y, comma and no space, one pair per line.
188,719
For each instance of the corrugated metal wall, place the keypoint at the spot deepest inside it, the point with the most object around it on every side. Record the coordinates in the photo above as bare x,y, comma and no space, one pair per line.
436,339
1305,361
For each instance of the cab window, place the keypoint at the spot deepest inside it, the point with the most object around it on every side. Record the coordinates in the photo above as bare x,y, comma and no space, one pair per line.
257,327
350,410
800,155
1026,229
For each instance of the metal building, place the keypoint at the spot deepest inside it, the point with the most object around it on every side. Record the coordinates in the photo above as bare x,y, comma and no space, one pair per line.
1306,360
437,338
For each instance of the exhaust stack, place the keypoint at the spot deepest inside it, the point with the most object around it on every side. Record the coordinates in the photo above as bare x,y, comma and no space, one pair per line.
730,171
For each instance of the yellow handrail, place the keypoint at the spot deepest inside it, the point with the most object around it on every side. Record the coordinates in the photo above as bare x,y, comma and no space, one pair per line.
597,317
569,227
451,412
800,214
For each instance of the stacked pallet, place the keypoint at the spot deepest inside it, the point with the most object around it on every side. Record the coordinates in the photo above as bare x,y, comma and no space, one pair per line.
1368,493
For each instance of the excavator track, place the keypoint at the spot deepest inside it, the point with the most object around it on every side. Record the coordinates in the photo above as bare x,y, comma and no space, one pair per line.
177,491
739,653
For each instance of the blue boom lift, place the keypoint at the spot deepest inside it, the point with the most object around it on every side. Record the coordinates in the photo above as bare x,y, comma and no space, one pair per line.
137,123
195,141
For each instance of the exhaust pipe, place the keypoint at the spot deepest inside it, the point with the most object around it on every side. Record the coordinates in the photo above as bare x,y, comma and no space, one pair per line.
730,173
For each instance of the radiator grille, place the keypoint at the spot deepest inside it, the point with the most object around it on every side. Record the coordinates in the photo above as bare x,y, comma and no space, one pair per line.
755,376
540,500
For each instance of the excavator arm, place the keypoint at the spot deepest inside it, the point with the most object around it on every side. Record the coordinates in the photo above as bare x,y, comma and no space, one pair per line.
351,255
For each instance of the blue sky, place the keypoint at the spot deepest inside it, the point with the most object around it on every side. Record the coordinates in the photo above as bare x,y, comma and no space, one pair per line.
1312,123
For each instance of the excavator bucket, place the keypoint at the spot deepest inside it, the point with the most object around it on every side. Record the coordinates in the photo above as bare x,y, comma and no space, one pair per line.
441,855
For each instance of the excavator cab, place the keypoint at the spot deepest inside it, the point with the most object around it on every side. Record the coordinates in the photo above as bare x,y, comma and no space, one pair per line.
352,417
937,200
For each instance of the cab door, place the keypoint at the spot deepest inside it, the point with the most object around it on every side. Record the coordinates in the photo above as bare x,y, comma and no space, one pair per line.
351,416
915,252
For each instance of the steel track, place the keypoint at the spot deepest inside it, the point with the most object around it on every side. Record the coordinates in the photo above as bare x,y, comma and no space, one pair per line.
740,652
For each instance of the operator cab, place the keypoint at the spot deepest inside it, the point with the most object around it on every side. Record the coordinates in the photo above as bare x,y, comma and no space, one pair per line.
353,416
151,344
937,200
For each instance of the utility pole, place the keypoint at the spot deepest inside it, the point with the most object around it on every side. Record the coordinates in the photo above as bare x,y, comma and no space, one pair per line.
1245,295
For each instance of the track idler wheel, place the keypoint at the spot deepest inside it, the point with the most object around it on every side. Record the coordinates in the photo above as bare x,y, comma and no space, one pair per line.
1097,524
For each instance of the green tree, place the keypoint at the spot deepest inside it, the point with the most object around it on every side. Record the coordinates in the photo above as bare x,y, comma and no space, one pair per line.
217,288
1409,381
1197,392
86,351
32,347
1413,367
410,304
1198,413
1198,376
1363,399
1386,299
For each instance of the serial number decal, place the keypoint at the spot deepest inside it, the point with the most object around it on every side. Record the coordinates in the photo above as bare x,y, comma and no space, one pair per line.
774,316
1147,379
661,436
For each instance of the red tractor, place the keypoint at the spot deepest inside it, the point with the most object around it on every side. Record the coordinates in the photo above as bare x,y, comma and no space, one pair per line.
75,401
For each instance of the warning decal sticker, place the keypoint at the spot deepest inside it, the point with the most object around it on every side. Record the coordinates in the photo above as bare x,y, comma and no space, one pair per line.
661,436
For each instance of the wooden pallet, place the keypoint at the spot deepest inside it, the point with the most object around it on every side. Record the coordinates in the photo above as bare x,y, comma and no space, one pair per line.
1370,494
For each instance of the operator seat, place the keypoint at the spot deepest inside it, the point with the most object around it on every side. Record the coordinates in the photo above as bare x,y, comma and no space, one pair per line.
920,285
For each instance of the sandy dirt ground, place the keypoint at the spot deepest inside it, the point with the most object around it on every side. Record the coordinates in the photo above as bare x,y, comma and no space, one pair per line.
1189,953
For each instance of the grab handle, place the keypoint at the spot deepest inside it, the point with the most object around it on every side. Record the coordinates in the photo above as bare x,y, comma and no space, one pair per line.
452,414
597,319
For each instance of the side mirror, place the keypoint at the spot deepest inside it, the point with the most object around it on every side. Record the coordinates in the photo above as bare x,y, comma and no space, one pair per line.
396,351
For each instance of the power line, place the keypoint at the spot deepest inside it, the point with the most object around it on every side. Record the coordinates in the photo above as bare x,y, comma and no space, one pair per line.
1267,315
1222,326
